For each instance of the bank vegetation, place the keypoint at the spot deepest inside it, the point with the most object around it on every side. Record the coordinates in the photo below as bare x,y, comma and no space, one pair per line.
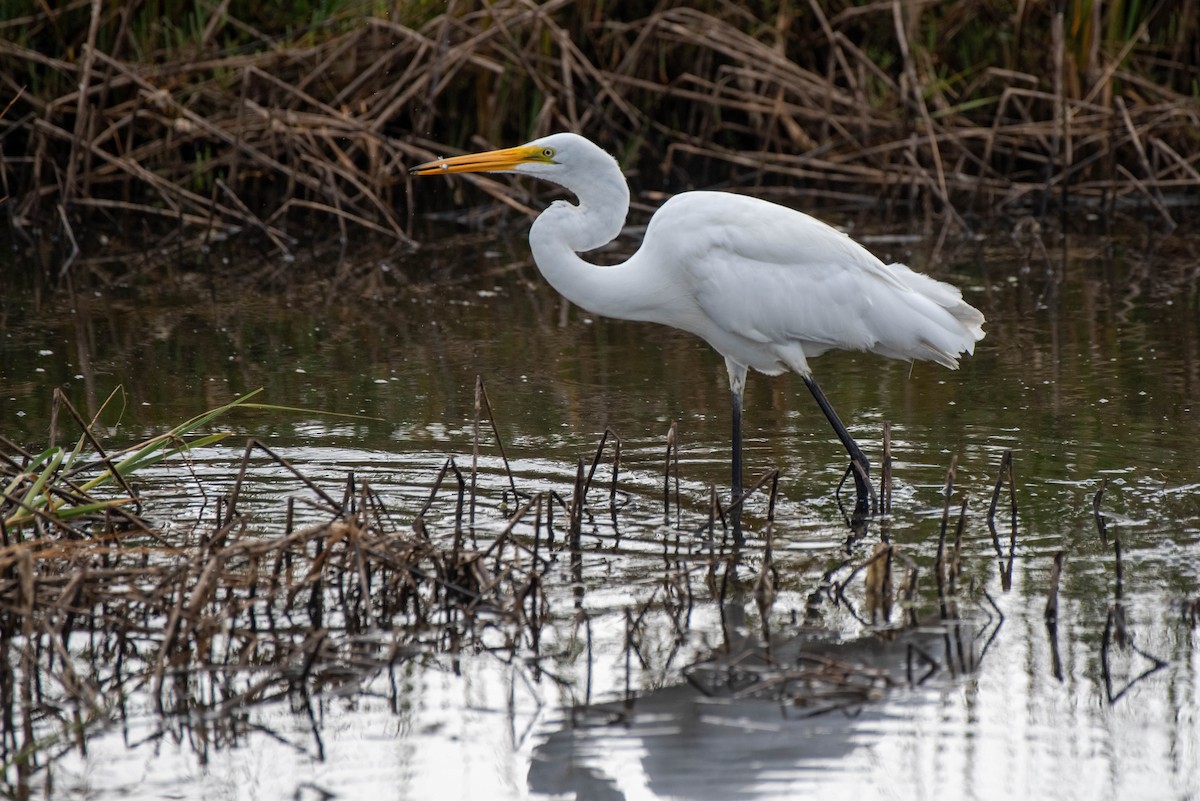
200,121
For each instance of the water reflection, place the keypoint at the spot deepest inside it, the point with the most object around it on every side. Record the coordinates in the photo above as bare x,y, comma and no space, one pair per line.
1090,371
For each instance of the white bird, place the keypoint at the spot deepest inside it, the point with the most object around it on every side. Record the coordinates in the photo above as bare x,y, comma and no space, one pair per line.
767,286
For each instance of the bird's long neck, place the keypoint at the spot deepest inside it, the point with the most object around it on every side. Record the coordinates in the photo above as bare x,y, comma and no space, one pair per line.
564,230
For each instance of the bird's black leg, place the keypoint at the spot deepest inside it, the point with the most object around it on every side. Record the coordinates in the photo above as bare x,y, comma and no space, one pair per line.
859,465
735,511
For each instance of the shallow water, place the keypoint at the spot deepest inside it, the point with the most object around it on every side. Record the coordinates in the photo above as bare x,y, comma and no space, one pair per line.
1090,371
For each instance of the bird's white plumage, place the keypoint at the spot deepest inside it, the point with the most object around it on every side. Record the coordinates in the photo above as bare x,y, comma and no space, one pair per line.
767,286
773,286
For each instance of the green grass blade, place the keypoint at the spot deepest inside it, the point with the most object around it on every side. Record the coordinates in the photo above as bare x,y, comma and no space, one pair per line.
48,472
29,469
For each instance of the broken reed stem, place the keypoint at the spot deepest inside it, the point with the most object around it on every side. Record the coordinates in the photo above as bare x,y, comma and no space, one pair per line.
1115,626
1101,523
437,483
1105,643
773,497
537,527
616,466
255,444
1120,572
716,510
672,458
482,395
908,590
940,562
885,473
1006,470
475,446
60,399
1051,613
877,580
577,502
629,627
714,505
1005,460
956,553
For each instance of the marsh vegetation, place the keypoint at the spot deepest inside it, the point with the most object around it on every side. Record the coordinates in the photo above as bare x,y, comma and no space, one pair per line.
202,121
371,577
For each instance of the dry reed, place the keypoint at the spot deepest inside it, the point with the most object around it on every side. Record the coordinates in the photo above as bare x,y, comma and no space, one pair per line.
237,129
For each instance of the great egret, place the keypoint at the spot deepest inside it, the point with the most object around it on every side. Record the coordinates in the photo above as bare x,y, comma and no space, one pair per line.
768,287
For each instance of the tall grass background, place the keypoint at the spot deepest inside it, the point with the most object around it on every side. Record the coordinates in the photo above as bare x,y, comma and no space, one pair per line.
217,118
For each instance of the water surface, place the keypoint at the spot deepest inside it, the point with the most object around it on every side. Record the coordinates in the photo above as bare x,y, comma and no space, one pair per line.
1090,371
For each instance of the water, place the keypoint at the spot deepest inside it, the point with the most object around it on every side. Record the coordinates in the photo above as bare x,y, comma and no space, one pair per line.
1090,371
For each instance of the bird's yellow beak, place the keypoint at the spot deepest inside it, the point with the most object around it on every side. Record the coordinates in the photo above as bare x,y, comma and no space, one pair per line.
491,161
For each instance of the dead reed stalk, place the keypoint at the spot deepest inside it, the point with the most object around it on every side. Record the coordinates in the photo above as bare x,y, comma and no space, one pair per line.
241,129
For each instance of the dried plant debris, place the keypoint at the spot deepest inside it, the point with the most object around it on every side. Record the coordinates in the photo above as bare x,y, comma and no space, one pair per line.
103,614
243,617
243,120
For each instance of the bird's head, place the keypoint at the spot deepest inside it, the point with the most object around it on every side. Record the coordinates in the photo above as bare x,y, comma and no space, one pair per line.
582,168
553,158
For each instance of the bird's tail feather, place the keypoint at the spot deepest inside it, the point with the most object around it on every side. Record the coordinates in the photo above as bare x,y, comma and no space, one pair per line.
945,295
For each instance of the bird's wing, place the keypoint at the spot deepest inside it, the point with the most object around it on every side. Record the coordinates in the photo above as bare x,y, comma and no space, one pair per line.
780,278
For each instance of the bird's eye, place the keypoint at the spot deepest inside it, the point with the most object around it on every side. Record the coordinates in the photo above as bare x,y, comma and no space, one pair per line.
548,152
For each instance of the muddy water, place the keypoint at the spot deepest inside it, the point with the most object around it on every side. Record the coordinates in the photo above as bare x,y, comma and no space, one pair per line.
1090,371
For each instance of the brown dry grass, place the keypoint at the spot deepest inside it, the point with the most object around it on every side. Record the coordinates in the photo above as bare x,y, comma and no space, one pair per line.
851,104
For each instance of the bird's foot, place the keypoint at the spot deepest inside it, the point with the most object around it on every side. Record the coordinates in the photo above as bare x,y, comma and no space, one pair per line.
866,501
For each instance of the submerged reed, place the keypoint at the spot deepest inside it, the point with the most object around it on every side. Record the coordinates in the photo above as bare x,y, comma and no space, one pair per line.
187,629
